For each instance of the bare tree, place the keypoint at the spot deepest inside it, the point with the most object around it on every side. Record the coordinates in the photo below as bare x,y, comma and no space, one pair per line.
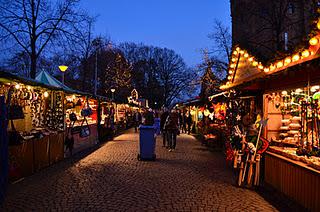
33,24
220,51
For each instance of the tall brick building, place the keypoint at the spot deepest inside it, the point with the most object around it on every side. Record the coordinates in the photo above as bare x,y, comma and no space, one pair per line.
267,28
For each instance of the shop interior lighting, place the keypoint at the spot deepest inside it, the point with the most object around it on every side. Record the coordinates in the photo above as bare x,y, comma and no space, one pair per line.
28,87
46,94
284,93
299,90
315,88
17,86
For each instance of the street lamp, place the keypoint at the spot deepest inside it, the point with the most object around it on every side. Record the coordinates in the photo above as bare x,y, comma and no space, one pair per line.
112,91
63,68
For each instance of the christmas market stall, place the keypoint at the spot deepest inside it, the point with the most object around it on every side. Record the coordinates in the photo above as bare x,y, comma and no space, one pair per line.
36,128
289,89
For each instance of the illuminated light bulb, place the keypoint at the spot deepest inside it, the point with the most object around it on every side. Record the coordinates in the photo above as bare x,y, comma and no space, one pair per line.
266,70
255,63
295,57
238,48
314,88
279,64
272,67
305,53
228,83
318,24
313,41
17,86
235,52
260,66
233,59
232,65
241,52
299,90
46,94
246,55
230,72
229,77
287,61
284,93
250,59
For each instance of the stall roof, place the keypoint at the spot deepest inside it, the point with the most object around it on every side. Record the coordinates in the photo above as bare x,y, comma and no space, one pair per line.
44,80
244,68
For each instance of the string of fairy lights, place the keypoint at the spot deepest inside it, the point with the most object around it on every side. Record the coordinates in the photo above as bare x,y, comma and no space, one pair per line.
241,56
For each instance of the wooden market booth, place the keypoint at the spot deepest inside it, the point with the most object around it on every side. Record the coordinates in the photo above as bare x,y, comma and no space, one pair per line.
288,89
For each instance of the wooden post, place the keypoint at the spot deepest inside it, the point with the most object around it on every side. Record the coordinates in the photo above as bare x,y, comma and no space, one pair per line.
4,166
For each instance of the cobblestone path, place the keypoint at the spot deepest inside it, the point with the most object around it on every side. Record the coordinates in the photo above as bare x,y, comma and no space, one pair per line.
112,179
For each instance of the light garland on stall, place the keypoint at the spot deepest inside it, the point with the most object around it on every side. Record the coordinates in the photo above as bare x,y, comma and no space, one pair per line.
295,58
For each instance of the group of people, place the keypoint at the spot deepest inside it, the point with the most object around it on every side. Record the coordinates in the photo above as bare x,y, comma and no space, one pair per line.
171,124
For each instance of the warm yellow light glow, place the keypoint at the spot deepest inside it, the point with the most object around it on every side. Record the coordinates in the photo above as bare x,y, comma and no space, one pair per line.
228,83
45,94
63,68
284,93
233,59
272,67
238,48
299,90
250,59
279,64
17,86
246,55
229,77
313,41
314,88
266,70
73,97
295,57
255,63
260,66
112,90
230,72
318,24
241,52
287,61
235,52
305,53
28,87
232,65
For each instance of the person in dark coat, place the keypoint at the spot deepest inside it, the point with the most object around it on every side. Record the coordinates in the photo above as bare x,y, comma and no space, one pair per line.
172,127
149,118
189,122
163,119
137,119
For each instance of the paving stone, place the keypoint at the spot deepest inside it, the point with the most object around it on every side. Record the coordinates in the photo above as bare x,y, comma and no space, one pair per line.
112,179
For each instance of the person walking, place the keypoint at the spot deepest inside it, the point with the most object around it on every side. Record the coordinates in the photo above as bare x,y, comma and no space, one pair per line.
163,119
189,122
172,127
137,118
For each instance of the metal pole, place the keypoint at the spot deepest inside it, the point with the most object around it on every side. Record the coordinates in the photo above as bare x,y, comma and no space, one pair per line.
63,78
96,74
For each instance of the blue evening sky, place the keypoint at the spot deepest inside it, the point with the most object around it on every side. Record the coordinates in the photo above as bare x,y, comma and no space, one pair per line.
181,25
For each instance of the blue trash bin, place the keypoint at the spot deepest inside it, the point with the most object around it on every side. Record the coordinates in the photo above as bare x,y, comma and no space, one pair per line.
147,143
